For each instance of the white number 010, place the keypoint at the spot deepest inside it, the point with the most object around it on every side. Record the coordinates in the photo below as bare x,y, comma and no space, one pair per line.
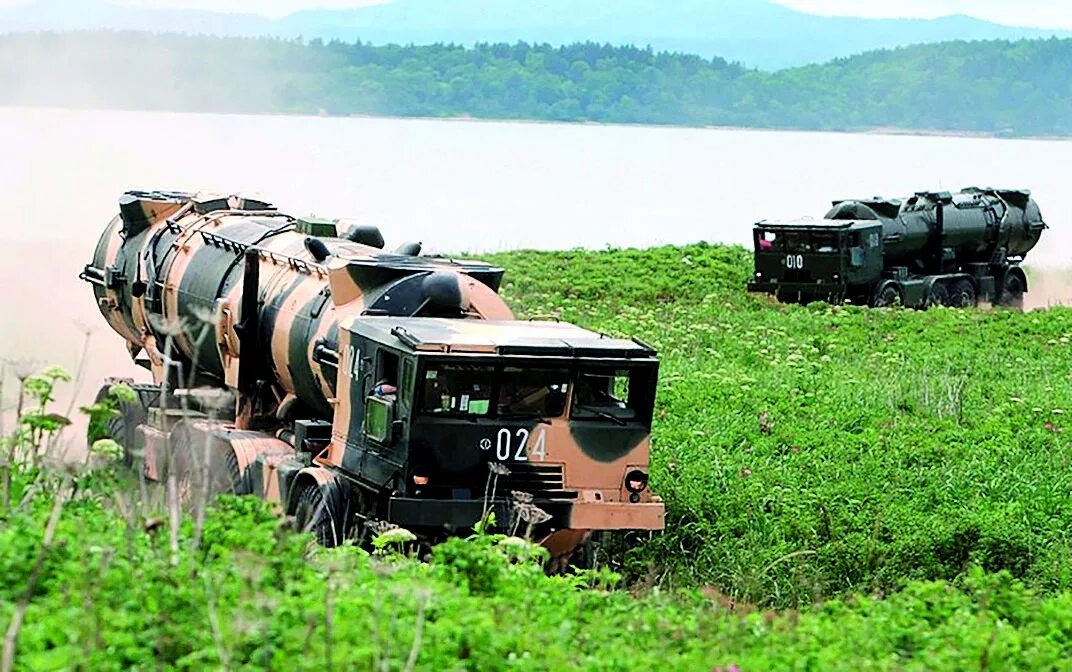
512,445
794,261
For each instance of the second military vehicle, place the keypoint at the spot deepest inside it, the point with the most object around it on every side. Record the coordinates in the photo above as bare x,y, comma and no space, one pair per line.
356,386
934,248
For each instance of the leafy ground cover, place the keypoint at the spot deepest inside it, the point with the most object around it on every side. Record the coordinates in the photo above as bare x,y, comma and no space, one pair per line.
253,595
847,489
808,451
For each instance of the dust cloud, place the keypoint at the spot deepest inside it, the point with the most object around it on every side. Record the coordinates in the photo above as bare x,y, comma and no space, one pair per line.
45,317
1048,288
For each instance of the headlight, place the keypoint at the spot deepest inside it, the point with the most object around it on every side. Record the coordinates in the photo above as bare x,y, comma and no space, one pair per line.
636,481
420,476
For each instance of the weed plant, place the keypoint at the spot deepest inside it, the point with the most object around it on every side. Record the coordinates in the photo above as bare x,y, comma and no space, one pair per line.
846,489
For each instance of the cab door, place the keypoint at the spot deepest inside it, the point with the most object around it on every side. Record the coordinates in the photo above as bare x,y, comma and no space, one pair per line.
865,255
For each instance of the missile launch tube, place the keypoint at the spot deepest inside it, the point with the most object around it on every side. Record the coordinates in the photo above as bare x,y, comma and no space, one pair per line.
173,273
976,224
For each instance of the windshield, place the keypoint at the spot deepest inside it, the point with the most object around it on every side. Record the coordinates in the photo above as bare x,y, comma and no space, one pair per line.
539,392
804,240
613,394
603,393
768,240
457,389
463,389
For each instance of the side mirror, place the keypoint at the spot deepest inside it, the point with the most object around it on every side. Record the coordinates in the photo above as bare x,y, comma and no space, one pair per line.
380,419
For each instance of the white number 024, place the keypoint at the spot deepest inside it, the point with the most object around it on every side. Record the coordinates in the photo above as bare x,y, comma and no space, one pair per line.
511,445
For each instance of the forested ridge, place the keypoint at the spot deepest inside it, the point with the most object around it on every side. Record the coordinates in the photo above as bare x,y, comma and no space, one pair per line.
1009,88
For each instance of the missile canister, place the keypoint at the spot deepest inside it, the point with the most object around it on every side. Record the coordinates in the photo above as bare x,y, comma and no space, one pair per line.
934,248
975,224
170,269
353,385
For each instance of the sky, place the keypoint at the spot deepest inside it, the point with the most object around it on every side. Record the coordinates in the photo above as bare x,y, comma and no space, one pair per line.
1042,13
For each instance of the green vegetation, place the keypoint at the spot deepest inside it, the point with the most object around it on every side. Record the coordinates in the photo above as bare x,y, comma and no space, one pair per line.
986,87
808,451
847,488
255,596
762,33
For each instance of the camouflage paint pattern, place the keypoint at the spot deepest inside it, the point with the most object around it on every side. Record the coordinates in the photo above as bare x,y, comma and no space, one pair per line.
185,270
169,275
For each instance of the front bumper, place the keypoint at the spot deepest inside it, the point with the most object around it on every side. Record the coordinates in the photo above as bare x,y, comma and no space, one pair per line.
449,514
800,291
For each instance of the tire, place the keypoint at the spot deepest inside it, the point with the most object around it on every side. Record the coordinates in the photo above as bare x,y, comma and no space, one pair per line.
220,476
115,428
963,294
938,294
311,515
888,297
1012,291
240,484
586,555
121,427
787,296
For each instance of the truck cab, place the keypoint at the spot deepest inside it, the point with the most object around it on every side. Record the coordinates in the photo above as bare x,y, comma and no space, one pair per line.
451,419
817,260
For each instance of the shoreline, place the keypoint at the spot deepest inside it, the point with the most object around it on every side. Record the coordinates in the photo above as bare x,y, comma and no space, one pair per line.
65,243
887,131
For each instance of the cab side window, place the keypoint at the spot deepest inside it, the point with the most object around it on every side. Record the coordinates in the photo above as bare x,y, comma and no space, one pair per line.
386,373
379,407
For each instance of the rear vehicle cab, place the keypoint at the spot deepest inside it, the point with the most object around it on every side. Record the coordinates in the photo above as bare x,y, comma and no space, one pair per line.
827,260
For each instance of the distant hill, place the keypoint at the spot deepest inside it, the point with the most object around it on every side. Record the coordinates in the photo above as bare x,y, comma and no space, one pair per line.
61,15
997,87
758,33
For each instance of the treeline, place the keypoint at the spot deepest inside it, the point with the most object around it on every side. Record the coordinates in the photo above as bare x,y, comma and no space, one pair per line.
1014,88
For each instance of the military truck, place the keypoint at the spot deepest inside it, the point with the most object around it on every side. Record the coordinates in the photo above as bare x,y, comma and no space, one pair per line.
358,387
934,248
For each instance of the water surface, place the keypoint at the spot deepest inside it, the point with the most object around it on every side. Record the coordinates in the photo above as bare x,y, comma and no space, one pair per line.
456,185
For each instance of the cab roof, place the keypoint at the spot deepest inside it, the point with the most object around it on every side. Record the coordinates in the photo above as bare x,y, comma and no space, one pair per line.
495,337
819,224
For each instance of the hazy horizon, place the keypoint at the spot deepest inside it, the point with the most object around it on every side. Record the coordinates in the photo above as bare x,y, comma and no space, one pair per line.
1024,13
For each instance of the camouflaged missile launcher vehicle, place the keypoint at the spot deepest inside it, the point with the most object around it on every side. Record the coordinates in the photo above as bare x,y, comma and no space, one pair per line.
355,386
935,248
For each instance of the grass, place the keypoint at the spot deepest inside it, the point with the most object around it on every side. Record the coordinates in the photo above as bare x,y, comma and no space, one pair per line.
808,451
254,595
846,489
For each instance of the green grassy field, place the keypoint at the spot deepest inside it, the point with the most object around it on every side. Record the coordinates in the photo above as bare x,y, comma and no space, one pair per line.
846,489
808,451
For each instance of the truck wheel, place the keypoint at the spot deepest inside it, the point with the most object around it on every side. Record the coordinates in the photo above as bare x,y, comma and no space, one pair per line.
240,484
586,555
785,296
121,427
1012,291
963,294
191,445
938,295
888,297
312,515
